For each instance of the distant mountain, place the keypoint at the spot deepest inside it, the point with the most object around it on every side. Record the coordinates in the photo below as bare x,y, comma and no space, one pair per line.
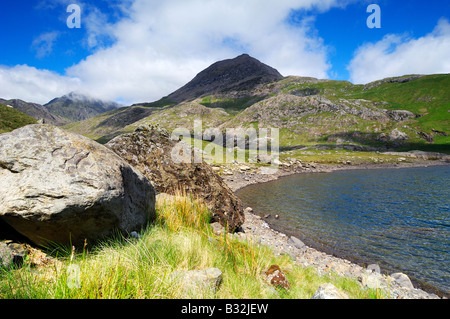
77,107
238,74
36,111
11,119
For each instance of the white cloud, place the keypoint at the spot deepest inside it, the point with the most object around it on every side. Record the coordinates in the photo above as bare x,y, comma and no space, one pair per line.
397,55
164,44
43,44
33,85
161,45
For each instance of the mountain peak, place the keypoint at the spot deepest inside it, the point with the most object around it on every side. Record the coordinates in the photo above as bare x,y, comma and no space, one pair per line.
241,73
76,106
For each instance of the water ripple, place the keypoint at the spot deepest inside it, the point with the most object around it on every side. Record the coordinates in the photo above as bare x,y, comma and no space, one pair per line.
399,218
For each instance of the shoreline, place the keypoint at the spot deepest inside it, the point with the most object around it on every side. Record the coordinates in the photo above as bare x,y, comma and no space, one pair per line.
258,178
307,255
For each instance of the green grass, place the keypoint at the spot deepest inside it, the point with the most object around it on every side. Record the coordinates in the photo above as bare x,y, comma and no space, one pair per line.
11,119
427,97
180,239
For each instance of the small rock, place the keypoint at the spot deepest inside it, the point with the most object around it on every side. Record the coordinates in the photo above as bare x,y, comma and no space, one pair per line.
135,235
298,243
275,276
374,268
373,280
329,291
402,280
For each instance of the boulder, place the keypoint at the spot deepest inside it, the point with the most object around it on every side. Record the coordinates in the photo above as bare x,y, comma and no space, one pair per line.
374,268
172,166
396,135
402,280
373,280
400,115
298,244
60,187
276,278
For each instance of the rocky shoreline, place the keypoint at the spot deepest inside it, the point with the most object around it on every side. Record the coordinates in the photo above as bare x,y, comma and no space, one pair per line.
256,228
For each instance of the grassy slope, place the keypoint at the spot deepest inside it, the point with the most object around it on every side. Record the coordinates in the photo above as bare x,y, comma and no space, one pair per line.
11,119
428,97
181,239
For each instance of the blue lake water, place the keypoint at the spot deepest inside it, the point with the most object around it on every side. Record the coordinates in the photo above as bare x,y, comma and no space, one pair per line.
398,218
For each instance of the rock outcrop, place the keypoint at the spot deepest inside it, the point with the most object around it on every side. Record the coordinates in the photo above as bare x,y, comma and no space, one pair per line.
59,187
151,150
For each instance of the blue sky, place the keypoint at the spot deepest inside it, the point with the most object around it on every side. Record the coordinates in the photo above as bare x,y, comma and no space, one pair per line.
141,50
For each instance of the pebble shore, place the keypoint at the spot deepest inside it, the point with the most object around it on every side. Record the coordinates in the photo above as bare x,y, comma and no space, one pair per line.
256,228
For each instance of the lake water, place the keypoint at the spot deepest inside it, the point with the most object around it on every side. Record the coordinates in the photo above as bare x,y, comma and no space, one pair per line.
398,218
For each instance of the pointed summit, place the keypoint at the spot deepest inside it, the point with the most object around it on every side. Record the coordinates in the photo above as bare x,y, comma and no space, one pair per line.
240,73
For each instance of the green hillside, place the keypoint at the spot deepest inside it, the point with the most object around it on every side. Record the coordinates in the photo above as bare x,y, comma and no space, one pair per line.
403,113
428,97
11,119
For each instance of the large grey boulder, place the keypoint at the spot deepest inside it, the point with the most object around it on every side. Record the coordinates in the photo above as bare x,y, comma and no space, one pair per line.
60,187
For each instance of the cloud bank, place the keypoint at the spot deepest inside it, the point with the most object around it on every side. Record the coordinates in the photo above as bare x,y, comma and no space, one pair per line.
34,85
155,47
397,55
